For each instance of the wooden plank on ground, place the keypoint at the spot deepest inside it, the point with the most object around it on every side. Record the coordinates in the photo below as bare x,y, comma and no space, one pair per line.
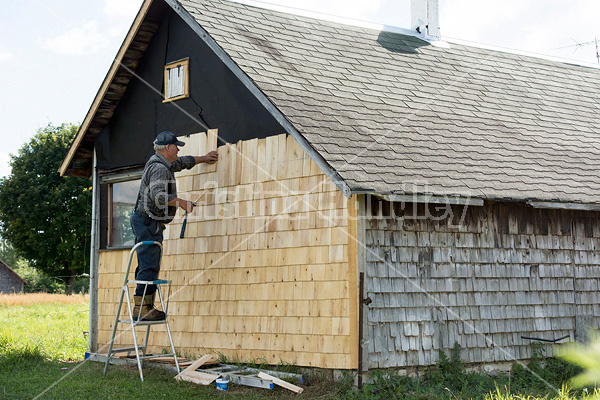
205,359
201,378
282,383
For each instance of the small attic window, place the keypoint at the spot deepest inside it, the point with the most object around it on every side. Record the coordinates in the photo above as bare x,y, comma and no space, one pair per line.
177,79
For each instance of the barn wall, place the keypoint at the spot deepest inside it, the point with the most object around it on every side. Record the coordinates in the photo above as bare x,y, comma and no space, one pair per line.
262,273
9,283
505,271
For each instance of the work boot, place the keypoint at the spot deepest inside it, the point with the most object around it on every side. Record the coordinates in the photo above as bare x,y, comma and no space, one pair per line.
149,313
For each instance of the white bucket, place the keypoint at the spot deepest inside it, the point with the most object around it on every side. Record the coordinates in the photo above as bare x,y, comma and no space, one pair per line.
222,383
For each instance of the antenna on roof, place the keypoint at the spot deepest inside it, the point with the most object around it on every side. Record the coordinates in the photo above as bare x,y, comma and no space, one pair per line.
578,45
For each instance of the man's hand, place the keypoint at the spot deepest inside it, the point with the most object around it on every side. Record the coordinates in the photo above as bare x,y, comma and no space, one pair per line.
210,158
188,206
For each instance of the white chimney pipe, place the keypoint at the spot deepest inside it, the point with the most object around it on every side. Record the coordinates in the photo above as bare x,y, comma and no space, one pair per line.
424,15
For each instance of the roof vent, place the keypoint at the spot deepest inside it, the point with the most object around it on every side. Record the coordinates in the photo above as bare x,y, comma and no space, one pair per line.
424,16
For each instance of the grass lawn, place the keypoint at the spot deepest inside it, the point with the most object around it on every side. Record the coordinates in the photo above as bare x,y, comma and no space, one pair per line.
42,346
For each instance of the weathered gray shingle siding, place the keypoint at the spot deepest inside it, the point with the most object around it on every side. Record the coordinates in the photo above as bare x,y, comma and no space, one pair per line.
391,113
9,281
508,271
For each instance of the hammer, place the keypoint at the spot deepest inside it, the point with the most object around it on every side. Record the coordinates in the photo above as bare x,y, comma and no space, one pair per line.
186,216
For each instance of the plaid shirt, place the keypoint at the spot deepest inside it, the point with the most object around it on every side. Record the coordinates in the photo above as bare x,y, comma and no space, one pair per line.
158,186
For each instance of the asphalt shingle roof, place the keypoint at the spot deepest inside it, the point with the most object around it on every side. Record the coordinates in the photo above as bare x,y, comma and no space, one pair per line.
393,114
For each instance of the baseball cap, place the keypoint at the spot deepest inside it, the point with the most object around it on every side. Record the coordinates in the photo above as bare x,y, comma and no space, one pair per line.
167,137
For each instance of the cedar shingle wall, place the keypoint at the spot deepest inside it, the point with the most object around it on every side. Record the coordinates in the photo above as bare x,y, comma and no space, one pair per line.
262,273
507,271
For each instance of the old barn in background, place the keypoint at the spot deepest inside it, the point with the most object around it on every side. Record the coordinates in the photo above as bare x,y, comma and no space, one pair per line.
10,281
454,187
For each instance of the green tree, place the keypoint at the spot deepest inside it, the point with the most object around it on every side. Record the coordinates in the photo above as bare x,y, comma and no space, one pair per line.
44,217
8,254
36,281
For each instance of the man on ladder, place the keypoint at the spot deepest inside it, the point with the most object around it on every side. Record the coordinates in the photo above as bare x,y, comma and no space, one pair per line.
156,205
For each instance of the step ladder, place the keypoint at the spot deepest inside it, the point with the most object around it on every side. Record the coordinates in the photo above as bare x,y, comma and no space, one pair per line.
134,322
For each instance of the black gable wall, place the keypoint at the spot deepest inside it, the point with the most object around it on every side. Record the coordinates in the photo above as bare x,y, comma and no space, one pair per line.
217,100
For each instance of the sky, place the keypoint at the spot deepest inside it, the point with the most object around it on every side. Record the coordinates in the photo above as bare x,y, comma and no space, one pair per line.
54,54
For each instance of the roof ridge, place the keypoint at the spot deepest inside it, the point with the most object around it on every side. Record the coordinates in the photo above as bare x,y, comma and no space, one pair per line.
437,42
501,49
334,18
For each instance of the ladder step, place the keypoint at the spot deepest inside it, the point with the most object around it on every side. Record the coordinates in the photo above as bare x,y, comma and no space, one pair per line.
142,322
157,282
124,349
150,356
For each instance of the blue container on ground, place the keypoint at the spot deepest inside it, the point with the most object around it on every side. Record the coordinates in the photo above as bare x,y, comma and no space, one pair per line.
223,383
